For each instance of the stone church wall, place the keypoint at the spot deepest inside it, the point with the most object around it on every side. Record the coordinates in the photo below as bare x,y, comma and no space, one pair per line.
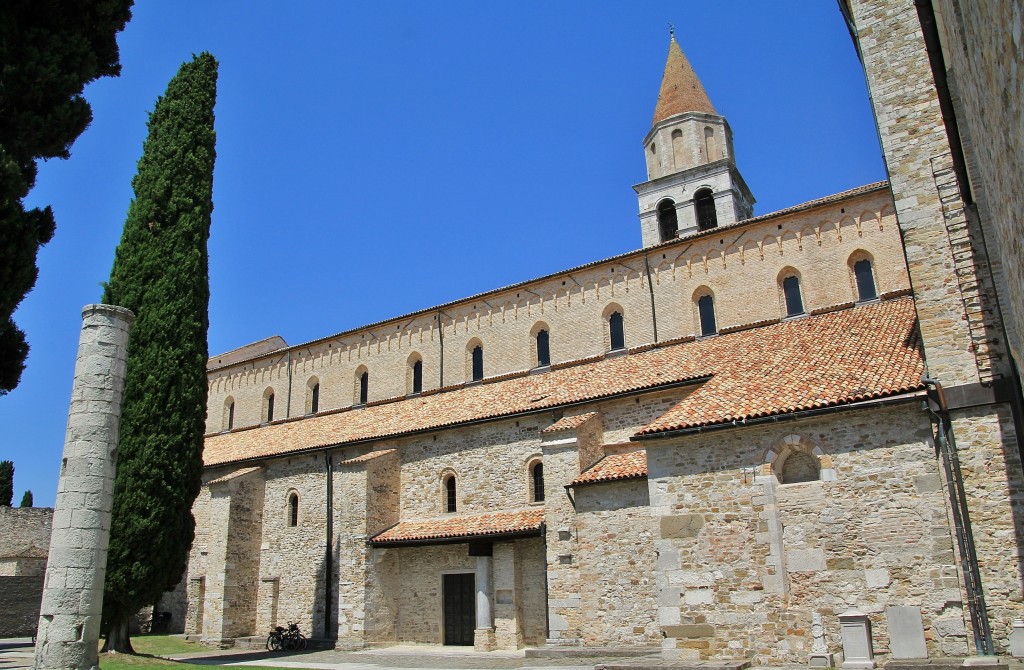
617,556
744,561
741,266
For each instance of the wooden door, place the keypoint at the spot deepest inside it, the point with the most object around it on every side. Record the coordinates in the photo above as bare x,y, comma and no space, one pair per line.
459,608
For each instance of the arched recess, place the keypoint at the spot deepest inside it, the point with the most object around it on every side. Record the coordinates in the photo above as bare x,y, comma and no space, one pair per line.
540,345
615,330
313,395
705,317
228,419
863,276
797,459
267,412
474,360
704,207
791,292
678,150
361,386
414,373
535,478
668,220
449,493
292,509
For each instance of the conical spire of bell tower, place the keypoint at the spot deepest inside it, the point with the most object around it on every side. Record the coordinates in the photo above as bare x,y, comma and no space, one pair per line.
692,181
681,90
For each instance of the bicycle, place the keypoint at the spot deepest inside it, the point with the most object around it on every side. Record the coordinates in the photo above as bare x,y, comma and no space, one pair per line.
290,639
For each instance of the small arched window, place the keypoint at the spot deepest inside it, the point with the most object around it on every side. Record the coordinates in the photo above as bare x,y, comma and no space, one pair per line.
668,221
417,376
706,312
704,204
364,387
791,294
268,405
293,509
800,466
537,475
450,504
478,362
229,413
616,331
543,349
865,280
314,398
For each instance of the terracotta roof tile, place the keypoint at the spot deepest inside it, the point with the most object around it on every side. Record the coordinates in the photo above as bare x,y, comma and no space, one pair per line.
457,527
233,475
612,467
870,351
865,352
367,457
681,90
569,422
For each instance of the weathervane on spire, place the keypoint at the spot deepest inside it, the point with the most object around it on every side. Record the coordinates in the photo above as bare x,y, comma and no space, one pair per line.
671,31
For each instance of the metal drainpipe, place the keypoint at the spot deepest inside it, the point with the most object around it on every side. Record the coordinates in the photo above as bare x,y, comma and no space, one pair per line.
650,286
945,444
440,334
329,554
288,401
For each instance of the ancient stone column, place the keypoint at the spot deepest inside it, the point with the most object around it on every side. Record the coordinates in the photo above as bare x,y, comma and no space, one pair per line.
483,636
69,621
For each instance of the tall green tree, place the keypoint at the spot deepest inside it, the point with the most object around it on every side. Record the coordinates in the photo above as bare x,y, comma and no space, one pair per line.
6,483
49,51
26,500
161,273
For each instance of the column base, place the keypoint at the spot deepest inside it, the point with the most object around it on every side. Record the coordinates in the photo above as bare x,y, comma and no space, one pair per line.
483,639
825,660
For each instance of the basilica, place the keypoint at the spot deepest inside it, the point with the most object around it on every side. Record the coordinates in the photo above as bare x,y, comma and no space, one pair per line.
718,445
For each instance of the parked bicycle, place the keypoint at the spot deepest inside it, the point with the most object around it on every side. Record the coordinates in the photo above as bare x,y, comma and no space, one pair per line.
286,639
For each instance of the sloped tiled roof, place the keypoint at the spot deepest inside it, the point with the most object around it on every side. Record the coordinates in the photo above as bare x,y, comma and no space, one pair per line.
367,457
452,528
614,467
234,474
569,422
681,90
867,352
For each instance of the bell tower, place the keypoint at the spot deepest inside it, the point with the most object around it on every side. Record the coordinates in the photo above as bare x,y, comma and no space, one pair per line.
692,181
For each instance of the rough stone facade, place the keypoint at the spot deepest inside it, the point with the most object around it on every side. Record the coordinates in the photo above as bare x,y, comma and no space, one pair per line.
733,536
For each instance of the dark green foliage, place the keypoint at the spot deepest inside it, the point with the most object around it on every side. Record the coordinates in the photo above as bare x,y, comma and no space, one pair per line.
49,51
160,273
6,483
26,500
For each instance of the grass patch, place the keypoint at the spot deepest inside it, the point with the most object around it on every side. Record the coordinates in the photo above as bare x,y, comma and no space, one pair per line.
148,649
164,644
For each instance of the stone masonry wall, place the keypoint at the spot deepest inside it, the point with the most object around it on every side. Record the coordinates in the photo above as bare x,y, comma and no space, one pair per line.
740,265
984,53
618,590
744,561
19,601
25,531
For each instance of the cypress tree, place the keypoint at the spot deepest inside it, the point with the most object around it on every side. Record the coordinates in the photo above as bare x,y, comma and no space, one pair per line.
26,500
49,51
161,273
6,483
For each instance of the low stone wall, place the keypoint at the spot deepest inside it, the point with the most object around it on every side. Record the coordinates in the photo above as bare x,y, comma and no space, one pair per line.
20,598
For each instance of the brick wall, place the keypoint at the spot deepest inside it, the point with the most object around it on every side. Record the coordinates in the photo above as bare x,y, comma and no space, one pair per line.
740,265
20,598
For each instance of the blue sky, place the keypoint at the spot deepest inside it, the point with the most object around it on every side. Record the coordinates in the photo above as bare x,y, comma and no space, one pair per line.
379,158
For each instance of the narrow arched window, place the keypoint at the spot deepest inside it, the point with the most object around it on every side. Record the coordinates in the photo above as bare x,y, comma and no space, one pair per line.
364,387
791,292
668,221
450,503
293,509
270,408
543,349
704,203
538,482
314,399
417,377
616,331
229,420
478,363
706,311
865,280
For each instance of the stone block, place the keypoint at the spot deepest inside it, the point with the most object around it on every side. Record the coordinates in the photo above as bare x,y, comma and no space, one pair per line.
876,578
681,525
906,632
692,630
805,560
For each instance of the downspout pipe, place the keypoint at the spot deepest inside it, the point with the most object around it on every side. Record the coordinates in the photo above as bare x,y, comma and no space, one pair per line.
945,445
650,286
329,551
